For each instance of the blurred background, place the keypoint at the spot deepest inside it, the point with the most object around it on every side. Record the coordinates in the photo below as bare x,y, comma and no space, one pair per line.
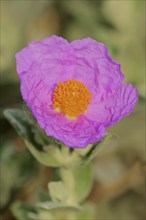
119,169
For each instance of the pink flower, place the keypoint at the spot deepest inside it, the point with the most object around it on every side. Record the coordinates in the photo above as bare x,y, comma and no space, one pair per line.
74,90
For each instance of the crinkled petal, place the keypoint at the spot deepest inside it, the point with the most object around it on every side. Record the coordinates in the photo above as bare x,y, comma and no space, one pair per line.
122,103
116,107
78,134
37,51
42,65
105,73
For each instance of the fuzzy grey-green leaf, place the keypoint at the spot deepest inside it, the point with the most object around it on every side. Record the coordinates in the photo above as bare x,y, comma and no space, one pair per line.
83,181
57,190
28,130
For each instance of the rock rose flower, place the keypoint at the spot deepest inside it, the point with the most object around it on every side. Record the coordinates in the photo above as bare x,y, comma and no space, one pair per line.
74,90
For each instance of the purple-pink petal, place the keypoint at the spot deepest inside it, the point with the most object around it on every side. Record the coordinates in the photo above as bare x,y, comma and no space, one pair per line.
42,65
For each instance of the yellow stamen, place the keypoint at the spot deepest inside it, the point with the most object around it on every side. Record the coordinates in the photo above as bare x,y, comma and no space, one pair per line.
71,98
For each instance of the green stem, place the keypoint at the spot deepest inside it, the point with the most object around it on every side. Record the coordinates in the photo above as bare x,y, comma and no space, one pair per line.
69,183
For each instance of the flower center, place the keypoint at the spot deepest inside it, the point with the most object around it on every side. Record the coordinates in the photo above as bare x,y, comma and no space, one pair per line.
71,98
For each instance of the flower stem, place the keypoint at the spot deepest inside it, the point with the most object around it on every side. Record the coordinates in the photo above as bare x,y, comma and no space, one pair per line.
69,183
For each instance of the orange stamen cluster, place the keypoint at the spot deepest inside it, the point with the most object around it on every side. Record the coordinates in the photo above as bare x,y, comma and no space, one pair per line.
71,98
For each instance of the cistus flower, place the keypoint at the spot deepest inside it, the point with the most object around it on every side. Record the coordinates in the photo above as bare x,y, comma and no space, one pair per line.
74,90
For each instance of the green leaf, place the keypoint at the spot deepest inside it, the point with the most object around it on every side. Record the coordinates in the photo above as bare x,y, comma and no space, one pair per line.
87,212
24,126
28,130
78,182
26,212
94,149
91,151
83,181
21,211
44,215
57,191
51,205
13,164
47,159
